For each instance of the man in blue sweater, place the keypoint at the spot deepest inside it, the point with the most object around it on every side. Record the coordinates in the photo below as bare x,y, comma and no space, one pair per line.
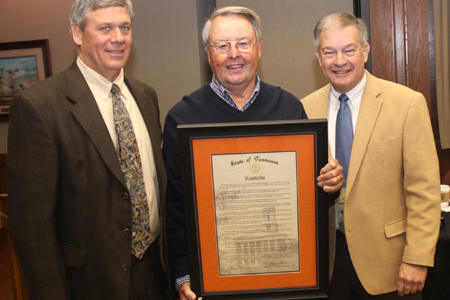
232,39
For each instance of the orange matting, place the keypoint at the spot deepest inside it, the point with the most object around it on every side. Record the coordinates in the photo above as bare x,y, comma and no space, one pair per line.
304,146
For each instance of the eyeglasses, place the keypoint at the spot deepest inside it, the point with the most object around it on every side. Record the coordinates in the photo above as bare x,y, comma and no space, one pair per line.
224,46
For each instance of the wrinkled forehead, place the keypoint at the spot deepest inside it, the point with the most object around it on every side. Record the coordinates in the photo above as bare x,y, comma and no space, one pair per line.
342,36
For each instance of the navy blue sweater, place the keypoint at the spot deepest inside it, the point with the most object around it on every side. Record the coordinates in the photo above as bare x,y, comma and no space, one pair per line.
205,106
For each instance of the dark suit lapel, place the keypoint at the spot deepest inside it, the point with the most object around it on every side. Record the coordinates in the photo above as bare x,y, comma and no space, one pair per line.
88,115
141,99
147,109
150,114
368,115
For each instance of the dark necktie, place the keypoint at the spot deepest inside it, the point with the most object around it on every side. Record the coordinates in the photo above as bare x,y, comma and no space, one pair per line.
344,142
130,163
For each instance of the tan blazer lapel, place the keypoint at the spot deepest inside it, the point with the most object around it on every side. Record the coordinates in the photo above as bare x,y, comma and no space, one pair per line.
368,114
317,107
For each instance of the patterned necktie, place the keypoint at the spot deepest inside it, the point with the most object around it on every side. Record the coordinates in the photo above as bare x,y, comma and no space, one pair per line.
130,163
344,142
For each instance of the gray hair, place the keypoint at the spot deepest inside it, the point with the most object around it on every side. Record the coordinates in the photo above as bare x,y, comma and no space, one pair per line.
81,9
341,20
232,10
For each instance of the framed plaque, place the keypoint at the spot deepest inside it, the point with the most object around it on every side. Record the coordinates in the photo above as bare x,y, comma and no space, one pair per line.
257,223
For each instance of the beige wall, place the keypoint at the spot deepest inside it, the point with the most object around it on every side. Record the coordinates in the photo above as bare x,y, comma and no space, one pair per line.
288,58
165,50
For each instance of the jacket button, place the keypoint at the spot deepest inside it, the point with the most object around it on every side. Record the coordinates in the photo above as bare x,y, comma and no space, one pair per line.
126,196
125,268
126,232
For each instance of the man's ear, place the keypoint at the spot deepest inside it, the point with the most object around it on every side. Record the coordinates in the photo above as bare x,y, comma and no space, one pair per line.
76,34
259,44
366,50
207,49
318,57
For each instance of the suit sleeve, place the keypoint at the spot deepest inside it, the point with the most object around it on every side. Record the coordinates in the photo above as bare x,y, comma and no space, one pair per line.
32,197
421,185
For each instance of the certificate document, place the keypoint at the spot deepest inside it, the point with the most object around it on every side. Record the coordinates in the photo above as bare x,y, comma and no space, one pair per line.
256,212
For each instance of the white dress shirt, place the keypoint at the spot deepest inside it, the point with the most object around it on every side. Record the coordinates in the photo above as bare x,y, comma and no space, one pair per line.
354,102
101,88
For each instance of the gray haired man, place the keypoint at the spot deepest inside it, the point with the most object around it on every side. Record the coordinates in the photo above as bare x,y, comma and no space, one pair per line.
87,219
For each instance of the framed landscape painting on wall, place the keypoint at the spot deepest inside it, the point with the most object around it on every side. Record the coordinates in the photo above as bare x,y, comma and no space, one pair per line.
22,64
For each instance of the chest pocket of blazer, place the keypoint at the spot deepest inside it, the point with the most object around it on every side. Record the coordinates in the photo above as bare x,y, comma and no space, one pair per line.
395,228
73,257
380,145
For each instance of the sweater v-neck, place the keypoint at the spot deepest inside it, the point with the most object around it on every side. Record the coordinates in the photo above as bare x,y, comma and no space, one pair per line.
242,115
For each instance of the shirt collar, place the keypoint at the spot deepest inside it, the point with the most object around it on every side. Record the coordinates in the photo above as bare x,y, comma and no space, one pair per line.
220,90
354,95
98,83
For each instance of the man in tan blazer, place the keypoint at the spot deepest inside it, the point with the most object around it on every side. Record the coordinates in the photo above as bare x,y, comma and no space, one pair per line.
391,207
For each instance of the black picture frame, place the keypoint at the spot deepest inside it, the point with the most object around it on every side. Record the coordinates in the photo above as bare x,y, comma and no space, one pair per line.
196,142
361,9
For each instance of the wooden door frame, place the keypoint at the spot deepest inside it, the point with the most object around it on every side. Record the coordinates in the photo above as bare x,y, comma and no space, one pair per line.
402,45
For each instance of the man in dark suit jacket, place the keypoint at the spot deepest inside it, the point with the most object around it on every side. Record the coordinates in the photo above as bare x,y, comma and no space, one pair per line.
69,205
